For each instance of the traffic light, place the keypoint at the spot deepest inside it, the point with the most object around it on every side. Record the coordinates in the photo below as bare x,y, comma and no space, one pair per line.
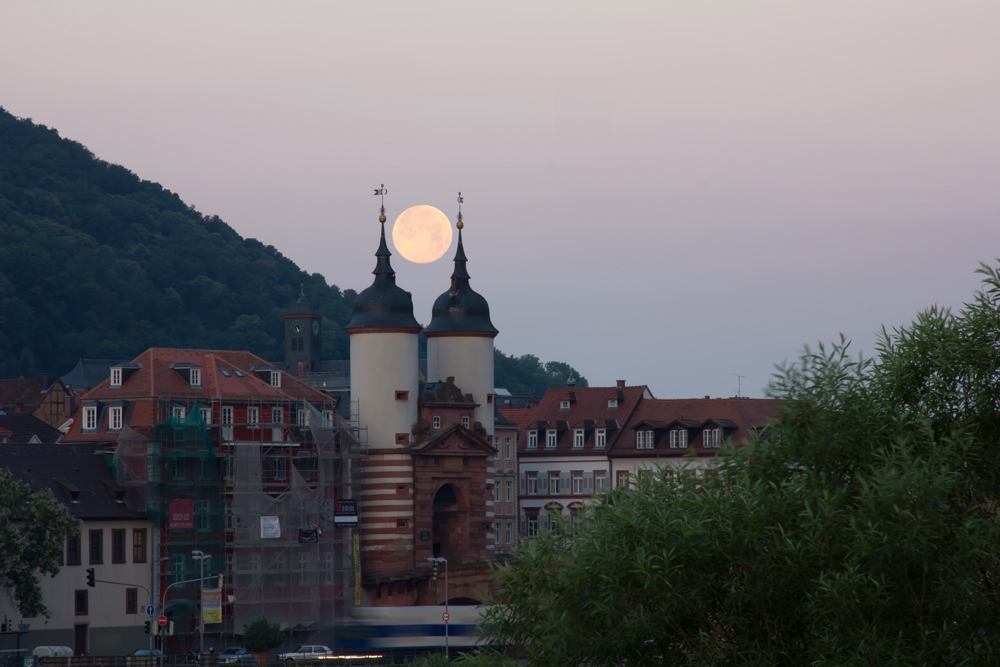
90,577
148,624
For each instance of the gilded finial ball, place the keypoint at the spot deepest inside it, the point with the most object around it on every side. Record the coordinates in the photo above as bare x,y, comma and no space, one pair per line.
460,224
381,218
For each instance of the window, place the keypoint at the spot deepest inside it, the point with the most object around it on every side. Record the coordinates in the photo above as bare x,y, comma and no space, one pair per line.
532,483
81,603
206,415
564,405
578,438
328,418
227,415
496,491
73,550
507,530
131,600
623,479
509,490
328,568
402,395
202,514
253,415
276,379
712,438
489,399
275,467
601,481
554,487
115,419
195,377
96,547
465,421
496,532
600,438
533,525
303,418
496,442
138,545
177,563
532,439
118,545
177,468
577,483
116,377
679,439
612,404
90,418
179,413
550,438
508,449
277,415
643,439
224,372
402,438
435,422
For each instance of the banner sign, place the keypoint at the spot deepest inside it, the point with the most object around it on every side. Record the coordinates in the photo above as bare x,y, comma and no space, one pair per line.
211,605
357,570
308,536
345,514
270,529
181,513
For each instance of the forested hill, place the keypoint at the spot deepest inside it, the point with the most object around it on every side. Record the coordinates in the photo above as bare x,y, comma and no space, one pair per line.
95,262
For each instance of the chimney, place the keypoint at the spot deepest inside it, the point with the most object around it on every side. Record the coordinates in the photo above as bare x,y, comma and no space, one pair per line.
708,397
19,408
621,384
302,369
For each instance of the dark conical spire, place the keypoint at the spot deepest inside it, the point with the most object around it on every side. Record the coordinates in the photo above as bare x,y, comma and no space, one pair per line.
383,304
460,309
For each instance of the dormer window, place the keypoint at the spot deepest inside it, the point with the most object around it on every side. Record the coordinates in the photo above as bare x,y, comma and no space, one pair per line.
550,438
578,438
195,377
643,439
116,377
612,404
115,419
600,438
679,439
90,418
564,405
532,439
276,379
712,438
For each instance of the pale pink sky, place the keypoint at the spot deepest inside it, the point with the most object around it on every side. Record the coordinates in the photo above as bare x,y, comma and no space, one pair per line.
664,192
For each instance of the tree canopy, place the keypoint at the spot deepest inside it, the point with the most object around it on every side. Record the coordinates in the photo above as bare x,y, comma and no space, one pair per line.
859,529
527,375
33,531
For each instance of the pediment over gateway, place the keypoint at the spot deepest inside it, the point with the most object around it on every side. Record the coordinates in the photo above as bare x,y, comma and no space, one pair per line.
454,439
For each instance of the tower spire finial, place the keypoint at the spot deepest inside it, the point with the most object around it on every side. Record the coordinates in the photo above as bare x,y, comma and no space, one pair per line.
381,192
460,276
460,224
382,265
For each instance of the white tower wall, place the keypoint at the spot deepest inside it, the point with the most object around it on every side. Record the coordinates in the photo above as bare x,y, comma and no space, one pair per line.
469,359
381,365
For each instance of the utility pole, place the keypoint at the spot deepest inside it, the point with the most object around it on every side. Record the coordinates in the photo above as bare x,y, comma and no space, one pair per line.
447,615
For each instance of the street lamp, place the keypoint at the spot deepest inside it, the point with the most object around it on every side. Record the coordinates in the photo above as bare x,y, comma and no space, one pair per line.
437,561
201,558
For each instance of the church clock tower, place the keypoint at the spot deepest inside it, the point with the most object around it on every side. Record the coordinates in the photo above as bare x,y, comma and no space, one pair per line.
303,336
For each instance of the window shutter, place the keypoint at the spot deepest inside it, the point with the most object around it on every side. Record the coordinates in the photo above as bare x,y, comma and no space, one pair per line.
543,520
565,479
524,526
522,485
543,483
588,484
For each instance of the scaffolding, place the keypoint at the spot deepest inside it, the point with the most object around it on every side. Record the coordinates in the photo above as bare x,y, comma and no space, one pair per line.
264,496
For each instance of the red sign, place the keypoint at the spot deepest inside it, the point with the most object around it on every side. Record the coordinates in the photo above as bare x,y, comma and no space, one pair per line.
445,617
181,513
162,620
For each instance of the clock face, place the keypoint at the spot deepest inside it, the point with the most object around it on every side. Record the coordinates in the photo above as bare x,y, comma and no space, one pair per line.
297,327
315,327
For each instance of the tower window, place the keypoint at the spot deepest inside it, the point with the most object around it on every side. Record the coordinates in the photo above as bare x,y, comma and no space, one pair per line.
465,421
315,343
435,422
402,395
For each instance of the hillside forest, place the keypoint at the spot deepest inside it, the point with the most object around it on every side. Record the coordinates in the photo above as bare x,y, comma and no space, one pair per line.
96,262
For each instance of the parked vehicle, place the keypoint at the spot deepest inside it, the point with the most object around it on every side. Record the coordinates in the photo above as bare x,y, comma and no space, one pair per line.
237,654
308,652
148,653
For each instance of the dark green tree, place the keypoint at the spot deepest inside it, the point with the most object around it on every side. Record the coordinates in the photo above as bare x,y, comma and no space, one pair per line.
860,529
33,530
527,375
262,636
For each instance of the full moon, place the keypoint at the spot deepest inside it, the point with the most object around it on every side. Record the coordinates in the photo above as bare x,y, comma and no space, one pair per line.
422,234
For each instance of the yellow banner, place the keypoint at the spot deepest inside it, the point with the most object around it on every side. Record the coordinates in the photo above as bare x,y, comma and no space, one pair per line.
211,605
357,570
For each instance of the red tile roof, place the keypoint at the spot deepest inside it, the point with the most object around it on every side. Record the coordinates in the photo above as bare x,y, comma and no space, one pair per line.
588,411
737,416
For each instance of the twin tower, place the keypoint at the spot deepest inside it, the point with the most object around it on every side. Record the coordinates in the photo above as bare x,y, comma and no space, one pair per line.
385,379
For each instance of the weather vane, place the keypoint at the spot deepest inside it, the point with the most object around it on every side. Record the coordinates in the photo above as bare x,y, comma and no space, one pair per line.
381,192
460,224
